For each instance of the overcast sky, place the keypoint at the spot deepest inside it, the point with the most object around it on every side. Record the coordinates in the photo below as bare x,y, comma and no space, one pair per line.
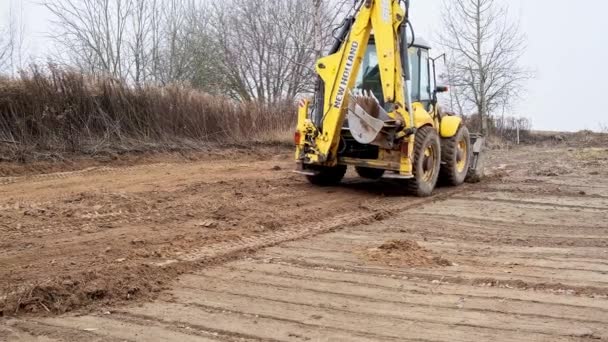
567,50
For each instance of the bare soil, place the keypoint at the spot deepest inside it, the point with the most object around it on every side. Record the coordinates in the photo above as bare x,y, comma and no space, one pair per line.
95,234
237,247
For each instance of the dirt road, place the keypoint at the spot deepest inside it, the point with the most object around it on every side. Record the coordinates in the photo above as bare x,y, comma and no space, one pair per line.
261,255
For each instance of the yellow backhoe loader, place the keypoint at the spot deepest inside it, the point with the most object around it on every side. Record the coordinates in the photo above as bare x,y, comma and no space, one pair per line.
375,108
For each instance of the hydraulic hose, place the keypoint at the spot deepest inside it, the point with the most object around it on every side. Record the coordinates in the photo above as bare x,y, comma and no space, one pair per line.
405,56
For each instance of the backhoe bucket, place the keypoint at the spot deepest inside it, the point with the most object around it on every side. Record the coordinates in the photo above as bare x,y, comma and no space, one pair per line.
369,123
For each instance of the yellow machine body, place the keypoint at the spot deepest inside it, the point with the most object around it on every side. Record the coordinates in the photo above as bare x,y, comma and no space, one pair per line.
319,139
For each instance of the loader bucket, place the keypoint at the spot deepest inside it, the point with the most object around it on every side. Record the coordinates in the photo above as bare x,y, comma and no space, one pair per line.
369,123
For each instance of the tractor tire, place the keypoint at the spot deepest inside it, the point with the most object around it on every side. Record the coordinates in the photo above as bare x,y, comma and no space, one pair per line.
369,173
328,176
426,162
456,157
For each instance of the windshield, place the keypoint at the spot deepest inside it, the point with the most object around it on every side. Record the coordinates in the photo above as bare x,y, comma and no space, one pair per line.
369,74
370,61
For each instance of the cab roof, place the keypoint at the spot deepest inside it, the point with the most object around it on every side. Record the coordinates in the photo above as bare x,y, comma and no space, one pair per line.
422,43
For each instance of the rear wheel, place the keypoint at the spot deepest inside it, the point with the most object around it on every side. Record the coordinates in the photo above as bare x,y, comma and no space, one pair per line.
327,176
456,157
426,162
369,173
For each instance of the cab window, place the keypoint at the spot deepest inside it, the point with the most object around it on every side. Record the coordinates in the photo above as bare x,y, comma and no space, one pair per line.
415,64
369,74
425,79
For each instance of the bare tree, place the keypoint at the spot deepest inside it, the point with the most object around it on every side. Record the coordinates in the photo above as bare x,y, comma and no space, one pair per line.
205,57
140,39
12,38
270,46
253,39
328,14
182,47
5,48
94,33
248,49
174,40
485,48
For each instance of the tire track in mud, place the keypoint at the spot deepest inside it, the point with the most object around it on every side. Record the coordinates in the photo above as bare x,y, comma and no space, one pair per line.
309,282
375,213
529,203
332,319
119,329
188,257
196,331
453,255
96,170
386,284
278,287
393,288
235,324
348,258
467,278
381,309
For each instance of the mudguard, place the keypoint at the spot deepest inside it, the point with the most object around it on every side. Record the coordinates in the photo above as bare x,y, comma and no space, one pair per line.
449,126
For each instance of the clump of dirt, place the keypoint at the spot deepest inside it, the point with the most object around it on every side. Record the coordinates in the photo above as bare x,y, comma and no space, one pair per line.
403,253
88,290
62,294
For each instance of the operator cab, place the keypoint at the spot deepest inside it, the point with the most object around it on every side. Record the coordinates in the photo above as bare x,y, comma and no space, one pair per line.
423,80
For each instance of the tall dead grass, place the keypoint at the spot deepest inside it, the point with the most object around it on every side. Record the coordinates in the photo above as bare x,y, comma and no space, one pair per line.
57,110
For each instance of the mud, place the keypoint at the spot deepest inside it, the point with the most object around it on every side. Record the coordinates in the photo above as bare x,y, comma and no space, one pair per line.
88,237
239,248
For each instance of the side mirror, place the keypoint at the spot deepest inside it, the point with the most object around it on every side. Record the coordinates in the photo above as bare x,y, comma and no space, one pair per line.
441,89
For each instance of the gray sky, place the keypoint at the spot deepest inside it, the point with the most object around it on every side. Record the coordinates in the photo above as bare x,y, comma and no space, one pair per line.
567,50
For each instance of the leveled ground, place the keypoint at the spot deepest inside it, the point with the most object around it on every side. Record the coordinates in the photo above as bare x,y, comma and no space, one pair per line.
521,256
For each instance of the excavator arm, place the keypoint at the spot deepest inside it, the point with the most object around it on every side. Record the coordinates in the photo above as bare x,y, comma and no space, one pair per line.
339,71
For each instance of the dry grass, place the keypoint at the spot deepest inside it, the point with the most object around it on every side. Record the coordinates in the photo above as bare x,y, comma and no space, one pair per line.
53,110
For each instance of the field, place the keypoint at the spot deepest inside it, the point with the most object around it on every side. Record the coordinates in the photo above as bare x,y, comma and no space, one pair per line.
235,247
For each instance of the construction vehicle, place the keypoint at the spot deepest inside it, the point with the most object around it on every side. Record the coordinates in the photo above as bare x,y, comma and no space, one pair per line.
375,108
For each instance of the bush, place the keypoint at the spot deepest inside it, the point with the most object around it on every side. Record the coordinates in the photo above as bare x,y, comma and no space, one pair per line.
507,127
503,127
60,110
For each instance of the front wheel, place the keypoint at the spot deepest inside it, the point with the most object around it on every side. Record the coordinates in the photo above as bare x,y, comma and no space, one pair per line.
327,176
456,157
426,162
